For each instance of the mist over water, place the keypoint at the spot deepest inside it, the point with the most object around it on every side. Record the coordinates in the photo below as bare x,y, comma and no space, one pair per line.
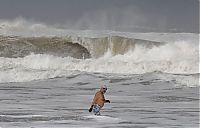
125,16
129,19
115,19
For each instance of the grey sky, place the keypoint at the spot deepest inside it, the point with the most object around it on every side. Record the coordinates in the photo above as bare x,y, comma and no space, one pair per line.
124,15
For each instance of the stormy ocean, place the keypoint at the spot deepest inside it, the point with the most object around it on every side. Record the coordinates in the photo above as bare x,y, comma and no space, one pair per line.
48,77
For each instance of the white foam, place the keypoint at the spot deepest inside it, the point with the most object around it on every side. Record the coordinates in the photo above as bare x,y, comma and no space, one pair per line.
23,27
103,118
179,57
33,67
21,116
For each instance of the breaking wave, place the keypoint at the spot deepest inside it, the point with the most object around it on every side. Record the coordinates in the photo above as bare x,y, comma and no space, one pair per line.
79,47
13,47
37,52
178,57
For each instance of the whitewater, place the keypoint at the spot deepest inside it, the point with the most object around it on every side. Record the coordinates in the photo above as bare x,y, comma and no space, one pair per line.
48,76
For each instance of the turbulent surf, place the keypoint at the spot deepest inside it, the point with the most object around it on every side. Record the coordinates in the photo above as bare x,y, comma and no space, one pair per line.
49,75
36,51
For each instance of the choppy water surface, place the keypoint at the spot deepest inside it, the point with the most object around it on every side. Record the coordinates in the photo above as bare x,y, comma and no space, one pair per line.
49,75
137,101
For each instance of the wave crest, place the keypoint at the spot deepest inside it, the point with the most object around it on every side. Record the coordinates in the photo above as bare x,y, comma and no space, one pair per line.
21,47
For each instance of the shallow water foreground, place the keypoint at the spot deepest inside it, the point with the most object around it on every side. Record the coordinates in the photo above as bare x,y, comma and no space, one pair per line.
137,101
